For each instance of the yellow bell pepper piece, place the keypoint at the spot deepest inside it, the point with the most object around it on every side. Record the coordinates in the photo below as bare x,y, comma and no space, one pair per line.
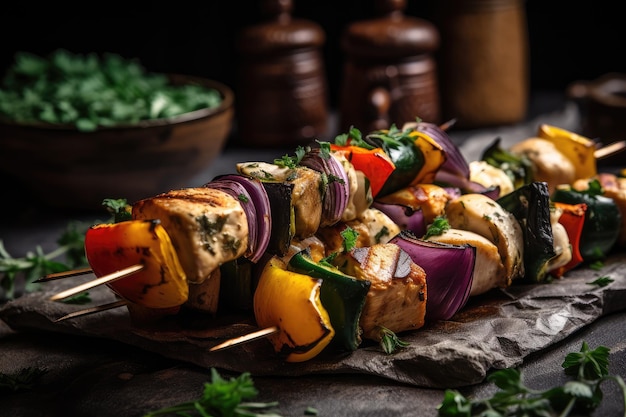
434,157
162,282
578,149
291,301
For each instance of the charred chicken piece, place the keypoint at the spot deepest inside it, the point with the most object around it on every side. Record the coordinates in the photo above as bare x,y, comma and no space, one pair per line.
207,227
373,226
397,296
307,194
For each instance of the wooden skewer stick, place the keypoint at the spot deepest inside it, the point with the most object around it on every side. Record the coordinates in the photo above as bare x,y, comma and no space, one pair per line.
447,125
444,126
609,149
64,274
92,310
99,281
246,338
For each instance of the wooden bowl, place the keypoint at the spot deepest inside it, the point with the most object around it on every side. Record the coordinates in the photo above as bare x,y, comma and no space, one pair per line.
62,167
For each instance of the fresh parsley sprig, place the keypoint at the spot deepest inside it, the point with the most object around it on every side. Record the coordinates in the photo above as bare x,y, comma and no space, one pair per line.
223,398
390,342
71,247
24,379
289,161
437,227
582,395
37,263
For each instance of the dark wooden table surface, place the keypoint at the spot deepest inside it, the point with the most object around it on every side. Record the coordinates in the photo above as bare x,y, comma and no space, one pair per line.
98,377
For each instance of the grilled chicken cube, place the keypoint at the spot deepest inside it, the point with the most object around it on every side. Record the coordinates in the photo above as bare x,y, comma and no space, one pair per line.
373,226
480,214
207,227
397,296
308,191
548,163
488,175
489,271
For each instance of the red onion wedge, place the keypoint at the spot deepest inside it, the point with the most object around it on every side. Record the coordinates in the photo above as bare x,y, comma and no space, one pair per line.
254,199
405,217
414,207
449,273
455,170
337,190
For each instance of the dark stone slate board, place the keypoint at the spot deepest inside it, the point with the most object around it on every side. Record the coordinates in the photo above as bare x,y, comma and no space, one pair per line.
494,331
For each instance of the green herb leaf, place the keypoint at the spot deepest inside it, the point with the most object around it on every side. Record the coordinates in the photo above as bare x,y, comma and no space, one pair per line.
92,90
25,379
389,341
601,281
223,398
438,227
36,264
119,209
580,396
597,265
350,237
292,161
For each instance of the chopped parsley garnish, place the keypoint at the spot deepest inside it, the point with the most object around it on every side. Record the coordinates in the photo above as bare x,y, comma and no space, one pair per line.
601,281
223,398
91,91
438,227
580,396
24,379
292,161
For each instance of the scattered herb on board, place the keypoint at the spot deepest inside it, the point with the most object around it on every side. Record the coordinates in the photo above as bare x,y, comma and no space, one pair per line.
37,263
579,396
71,245
24,379
223,398
601,281
389,341
91,90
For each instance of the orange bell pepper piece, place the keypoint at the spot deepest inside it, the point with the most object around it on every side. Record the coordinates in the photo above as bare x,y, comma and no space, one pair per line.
161,283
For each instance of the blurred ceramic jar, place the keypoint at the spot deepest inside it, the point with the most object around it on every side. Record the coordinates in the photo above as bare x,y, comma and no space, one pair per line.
389,74
282,92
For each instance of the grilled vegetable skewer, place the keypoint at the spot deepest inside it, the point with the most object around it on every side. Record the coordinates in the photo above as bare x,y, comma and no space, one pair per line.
342,196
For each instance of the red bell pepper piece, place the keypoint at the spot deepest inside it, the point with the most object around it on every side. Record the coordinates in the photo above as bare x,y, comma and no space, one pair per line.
572,219
374,163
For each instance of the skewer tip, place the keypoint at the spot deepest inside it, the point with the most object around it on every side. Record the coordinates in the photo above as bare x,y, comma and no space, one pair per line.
245,338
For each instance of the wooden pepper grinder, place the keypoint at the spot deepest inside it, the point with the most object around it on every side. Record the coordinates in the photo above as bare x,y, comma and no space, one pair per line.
390,75
282,89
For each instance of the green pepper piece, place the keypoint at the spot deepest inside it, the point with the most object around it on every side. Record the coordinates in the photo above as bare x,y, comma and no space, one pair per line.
530,204
406,156
602,220
342,295
518,168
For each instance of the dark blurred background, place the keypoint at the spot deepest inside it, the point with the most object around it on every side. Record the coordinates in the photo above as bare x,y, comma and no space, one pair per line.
569,41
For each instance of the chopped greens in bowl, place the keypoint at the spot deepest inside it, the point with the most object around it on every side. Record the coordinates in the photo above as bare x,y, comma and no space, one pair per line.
91,91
